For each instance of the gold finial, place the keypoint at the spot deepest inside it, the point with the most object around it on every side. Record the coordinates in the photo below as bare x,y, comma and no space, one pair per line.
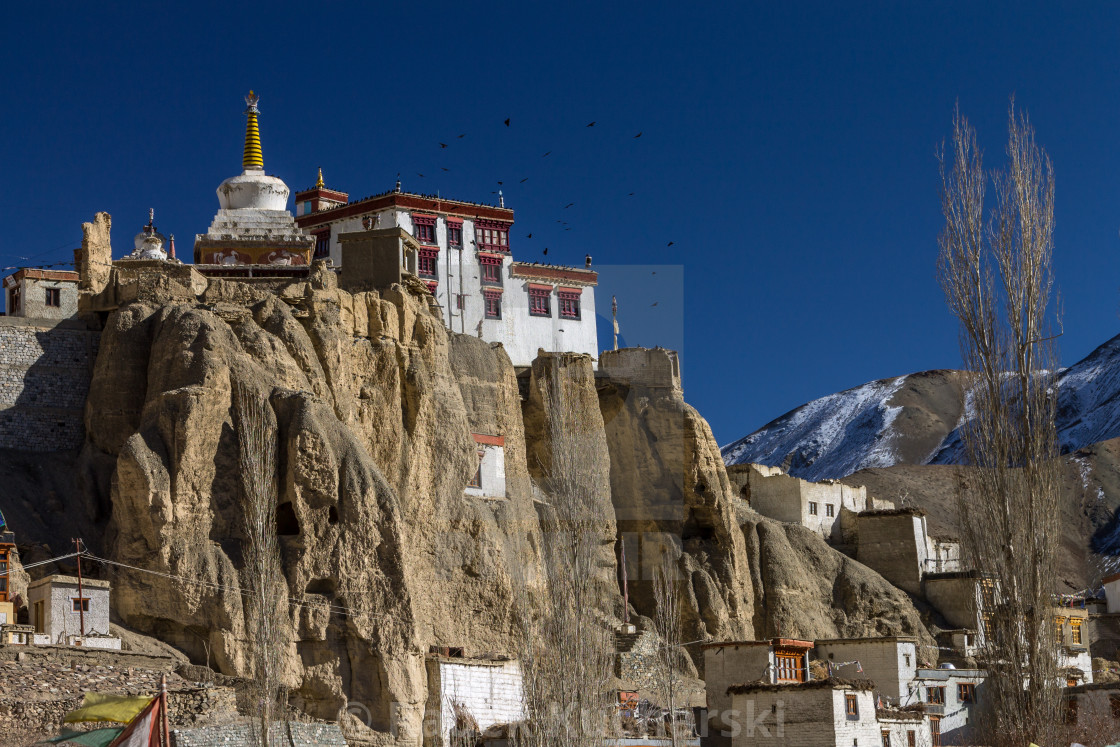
253,158
319,182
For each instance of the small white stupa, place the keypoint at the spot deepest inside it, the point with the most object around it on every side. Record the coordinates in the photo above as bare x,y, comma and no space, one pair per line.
149,243
253,225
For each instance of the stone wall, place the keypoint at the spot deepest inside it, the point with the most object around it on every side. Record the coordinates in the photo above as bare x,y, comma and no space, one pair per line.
293,734
45,370
894,544
650,367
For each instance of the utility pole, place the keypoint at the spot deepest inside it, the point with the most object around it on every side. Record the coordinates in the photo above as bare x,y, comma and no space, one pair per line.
625,585
81,596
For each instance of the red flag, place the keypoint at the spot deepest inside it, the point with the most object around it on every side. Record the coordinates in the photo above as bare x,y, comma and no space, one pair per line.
144,730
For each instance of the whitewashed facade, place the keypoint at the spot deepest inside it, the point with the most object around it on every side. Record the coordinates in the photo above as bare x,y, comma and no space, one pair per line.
466,259
54,603
491,691
490,480
890,662
825,713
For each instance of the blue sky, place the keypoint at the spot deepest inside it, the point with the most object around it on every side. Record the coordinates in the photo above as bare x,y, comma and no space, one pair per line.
787,151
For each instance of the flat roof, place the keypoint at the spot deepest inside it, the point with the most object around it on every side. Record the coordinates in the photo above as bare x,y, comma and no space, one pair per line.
876,639
775,642
830,683
60,580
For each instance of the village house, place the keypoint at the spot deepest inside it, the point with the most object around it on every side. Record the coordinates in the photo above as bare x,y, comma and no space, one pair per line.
829,712
904,727
950,696
491,691
66,616
464,254
41,294
728,663
1074,659
1094,708
890,662
490,479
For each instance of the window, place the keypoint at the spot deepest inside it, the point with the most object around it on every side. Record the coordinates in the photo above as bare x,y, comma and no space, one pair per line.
829,509
476,481
13,300
906,658
79,604
1060,623
460,300
424,228
491,236
966,692
911,738
322,242
1071,710
493,301
40,618
432,285
538,301
569,303
812,508
935,695
54,297
426,262
851,705
491,269
886,738
454,233
790,668
1075,631
935,730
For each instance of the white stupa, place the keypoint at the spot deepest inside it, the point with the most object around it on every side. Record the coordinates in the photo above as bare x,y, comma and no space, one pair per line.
253,225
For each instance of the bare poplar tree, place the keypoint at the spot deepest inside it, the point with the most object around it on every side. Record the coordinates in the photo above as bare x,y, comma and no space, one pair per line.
995,270
266,590
667,624
566,651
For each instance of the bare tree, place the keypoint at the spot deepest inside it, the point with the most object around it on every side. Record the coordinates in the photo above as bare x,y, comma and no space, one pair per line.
667,624
566,652
996,273
266,589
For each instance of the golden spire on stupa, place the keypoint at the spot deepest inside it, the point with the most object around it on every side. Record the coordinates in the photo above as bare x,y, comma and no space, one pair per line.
319,182
253,158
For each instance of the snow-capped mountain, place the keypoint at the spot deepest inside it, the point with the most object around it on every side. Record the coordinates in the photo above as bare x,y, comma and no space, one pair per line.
914,419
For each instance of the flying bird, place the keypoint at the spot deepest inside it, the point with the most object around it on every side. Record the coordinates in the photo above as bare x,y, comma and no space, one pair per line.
501,184
507,121
523,180
545,250
670,243
443,145
463,135
569,228
443,169
547,154
529,236
638,135
592,124
419,175
569,205
630,195
654,304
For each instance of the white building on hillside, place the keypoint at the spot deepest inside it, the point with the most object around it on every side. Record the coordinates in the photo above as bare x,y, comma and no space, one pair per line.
490,691
890,662
465,257
820,713
69,616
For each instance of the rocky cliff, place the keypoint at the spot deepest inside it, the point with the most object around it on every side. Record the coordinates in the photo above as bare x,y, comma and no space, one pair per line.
384,555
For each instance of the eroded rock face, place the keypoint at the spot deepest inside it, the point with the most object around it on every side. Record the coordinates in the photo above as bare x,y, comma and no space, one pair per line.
375,404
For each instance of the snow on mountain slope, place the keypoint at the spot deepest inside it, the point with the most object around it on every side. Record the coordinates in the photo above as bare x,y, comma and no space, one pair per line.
914,419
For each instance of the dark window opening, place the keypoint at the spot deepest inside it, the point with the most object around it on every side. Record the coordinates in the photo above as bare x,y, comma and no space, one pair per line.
454,234
54,297
322,243
79,604
332,515
493,305
426,262
287,525
325,586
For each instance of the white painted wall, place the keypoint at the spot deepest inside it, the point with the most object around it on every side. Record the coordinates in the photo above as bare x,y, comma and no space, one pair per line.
804,717
492,692
458,271
61,621
493,473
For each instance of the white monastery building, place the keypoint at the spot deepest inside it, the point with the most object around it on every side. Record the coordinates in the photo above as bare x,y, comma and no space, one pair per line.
466,259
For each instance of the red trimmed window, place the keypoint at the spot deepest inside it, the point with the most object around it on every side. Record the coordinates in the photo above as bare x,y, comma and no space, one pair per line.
322,242
569,302
491,235
426,262
425,228
432,285
454,233
538,301
493,300
491,269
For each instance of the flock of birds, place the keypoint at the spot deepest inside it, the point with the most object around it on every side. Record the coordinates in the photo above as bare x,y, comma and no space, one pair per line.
565,224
